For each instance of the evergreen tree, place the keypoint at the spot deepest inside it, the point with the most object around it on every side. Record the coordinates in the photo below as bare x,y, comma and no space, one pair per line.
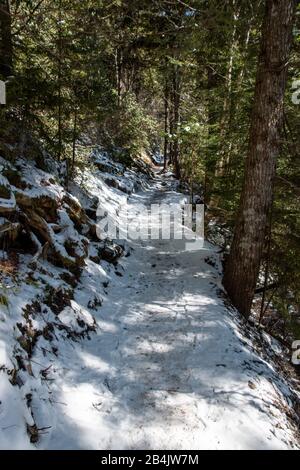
243,265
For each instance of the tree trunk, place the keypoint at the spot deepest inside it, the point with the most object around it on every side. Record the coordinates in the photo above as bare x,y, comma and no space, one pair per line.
242,267
176,121
166,138
59,154
6,49
224,150
119,75
74,141
225,122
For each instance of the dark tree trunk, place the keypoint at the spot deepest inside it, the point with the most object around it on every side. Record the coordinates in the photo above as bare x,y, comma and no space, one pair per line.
6,49
74,141
171,128
242,267
166,138
60,47
119,75
176,119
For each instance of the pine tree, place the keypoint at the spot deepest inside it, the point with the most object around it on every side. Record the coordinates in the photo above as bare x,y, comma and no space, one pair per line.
243,265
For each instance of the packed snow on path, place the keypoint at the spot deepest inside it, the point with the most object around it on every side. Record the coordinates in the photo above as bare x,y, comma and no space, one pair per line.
169,366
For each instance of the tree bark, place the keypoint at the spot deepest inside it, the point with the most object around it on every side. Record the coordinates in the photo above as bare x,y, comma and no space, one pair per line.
166,129
119,75
176,119
59,124
74,141
242,267
6,49
225,124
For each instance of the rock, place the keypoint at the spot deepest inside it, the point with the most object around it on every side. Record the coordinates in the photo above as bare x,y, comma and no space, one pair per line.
251,385
43,205
112,182
91,213
92,232
105,167
115,183
110,252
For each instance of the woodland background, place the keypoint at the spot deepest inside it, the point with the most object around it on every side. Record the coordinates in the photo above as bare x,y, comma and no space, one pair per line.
161,76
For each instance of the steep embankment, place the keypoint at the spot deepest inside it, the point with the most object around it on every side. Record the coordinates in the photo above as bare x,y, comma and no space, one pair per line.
54,278
141,353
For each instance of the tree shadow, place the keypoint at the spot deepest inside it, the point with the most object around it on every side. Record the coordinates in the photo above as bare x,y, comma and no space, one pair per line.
170,366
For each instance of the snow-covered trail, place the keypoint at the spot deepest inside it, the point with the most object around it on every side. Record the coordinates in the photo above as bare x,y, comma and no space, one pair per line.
169,367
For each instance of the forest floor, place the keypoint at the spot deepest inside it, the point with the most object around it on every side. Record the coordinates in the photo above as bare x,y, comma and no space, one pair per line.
171,366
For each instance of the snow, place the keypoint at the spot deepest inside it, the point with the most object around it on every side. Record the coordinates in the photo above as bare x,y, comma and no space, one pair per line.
12,430
169,365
